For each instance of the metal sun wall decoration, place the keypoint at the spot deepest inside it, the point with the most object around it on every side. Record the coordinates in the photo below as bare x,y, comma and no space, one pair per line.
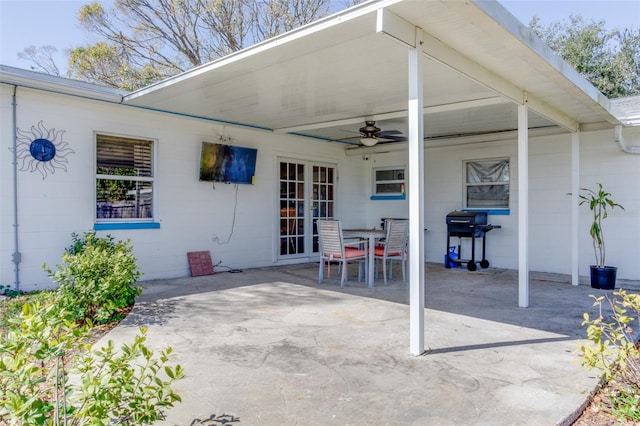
42,150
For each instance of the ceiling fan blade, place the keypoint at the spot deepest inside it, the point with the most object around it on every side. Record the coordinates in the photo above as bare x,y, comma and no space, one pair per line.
391,138
386,133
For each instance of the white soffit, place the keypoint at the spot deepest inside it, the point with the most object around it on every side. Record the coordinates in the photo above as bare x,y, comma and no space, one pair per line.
334,73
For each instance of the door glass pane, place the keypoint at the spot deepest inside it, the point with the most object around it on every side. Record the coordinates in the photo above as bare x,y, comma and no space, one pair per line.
292,207
323,193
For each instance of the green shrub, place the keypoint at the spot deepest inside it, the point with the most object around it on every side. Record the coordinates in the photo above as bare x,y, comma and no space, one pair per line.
9,291
613,349
134,392
97,278
32,356
11,309
127,386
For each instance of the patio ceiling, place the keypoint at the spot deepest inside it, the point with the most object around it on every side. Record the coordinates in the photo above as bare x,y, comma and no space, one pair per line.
323,80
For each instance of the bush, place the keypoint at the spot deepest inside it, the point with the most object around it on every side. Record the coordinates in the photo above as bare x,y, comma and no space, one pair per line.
41,339
613,349
11,309
112,386
134,391
97,278
32,375
9,291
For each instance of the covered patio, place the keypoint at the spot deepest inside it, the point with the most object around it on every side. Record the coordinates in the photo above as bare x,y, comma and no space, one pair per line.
271,346
398,64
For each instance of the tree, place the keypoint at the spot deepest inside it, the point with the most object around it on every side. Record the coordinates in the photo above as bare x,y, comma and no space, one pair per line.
41,58
143,41
106,64
610,60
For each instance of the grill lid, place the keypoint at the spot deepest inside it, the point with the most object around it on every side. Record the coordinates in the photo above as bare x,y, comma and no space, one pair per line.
467,218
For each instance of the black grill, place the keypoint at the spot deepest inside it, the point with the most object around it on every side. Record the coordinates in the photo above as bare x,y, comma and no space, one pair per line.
468,225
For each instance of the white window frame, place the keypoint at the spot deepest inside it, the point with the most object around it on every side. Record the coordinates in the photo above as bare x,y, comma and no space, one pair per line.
147,179
466,184
376,182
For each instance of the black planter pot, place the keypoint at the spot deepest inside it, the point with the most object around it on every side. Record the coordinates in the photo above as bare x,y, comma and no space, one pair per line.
603,278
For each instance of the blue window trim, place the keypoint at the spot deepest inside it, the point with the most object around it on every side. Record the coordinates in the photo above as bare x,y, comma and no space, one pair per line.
125,225
388,197
496,212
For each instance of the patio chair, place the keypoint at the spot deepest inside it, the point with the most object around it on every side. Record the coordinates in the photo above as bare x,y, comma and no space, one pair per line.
394,247
333,248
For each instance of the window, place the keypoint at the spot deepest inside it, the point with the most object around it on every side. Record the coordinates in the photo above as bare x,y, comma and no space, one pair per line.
388,182
487,184
124,179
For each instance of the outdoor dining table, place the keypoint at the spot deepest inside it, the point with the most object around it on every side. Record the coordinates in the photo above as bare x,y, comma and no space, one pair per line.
371,235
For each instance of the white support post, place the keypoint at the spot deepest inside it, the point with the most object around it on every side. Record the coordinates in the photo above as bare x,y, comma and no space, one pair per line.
416,199
523,205
575,189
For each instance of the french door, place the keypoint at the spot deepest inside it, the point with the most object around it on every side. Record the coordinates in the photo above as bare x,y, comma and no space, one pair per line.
307,193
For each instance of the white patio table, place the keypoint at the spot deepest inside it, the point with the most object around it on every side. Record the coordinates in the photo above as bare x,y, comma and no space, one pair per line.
371,235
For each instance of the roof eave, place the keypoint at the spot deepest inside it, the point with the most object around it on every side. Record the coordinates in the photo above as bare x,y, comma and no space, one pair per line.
35,80
528,38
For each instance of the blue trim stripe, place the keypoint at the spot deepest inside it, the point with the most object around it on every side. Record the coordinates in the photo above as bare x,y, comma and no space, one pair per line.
388,197
125,225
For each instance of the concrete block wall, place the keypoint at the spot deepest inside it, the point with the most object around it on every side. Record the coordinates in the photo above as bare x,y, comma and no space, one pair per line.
193,215
549,202
197,216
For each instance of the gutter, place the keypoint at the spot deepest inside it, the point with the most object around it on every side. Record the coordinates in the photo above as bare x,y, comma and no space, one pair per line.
16,257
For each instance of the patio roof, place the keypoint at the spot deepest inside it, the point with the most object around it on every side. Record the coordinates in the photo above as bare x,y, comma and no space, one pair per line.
438,72
323,80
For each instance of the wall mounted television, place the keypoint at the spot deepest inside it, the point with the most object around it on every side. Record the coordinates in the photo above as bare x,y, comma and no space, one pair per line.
227,163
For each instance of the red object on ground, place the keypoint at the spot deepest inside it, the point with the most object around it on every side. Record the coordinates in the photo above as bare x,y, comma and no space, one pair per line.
200,263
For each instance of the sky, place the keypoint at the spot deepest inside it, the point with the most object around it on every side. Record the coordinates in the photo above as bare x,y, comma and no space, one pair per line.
25,23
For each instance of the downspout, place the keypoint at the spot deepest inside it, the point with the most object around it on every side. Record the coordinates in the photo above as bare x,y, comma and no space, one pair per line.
622,144
16,257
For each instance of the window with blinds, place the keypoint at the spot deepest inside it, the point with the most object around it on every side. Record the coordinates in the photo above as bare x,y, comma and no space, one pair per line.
124,178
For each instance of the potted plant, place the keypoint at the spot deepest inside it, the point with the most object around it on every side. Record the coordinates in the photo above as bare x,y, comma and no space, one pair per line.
599,201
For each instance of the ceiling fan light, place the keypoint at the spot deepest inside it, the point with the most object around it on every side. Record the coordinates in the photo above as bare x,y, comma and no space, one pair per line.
367,141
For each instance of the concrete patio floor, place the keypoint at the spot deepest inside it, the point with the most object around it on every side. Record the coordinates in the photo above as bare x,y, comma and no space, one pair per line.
269,346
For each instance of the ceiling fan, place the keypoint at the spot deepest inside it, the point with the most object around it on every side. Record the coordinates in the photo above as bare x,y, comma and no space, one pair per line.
371,134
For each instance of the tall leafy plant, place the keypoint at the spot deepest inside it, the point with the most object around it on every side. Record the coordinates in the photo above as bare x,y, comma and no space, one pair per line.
599,201
98,277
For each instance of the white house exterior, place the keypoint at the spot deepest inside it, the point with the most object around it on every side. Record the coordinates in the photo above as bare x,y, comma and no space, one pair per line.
480,95
191,213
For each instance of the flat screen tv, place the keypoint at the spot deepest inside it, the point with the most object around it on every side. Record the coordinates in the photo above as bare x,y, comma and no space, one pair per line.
227,163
